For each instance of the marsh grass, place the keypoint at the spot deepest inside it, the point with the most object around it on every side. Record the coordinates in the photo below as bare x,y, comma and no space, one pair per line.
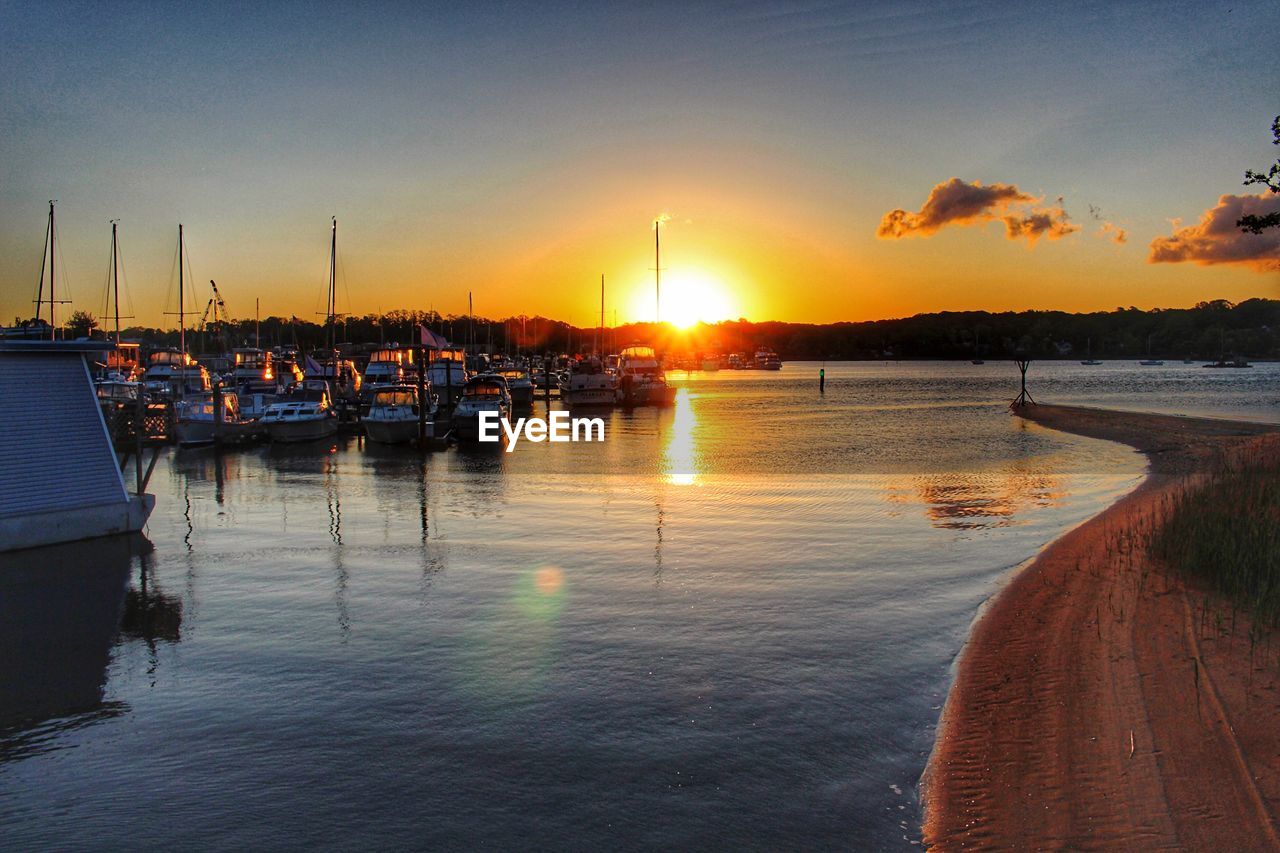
1223,532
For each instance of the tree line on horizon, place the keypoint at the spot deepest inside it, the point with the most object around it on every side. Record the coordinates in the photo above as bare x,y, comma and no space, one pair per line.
1206,331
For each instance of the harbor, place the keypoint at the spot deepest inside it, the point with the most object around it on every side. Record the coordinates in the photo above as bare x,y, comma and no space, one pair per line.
639,427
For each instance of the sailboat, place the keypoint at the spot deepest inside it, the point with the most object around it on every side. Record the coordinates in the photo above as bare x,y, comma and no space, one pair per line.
1089,359
1149,361
172,373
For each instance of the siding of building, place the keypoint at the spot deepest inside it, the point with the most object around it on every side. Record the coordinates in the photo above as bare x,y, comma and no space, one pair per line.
54,449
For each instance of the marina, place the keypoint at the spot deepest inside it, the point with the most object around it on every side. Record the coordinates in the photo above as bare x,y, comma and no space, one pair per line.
415,619
639,427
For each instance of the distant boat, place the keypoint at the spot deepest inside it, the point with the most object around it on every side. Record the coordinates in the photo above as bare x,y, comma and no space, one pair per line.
767,359
978,361
519,386
1149,361
1089,359
1234,362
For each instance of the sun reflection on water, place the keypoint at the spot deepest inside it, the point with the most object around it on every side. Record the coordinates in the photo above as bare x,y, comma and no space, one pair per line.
679,466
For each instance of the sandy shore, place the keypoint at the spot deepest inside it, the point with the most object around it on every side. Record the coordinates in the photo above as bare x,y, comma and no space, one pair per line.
1100,703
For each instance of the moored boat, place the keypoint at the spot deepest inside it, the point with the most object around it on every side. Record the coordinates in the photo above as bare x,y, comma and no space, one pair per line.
200,421
642,381
484,393
393,416
590,384
304,413
519,385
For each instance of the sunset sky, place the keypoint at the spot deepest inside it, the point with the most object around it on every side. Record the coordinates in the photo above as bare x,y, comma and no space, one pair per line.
520,151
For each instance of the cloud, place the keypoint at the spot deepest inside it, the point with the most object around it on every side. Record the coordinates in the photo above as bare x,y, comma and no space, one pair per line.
957,202
1216,239
1113,232
1108,229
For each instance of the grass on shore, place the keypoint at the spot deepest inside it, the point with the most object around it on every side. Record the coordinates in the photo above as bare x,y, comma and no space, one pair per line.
1225,533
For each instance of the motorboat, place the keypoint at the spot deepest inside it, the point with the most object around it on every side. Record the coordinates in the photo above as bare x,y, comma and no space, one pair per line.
589,383
393,416
448,375
172,374
388,366
340,373
643,382
304,413
519,385
766,359
214,417
253,371
484,393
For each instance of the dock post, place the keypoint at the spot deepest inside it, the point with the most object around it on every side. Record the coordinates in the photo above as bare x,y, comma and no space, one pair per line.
822,380
139,426
422,399
217,414
1023,398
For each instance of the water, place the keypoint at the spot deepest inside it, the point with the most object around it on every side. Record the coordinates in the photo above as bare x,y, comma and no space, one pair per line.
730,624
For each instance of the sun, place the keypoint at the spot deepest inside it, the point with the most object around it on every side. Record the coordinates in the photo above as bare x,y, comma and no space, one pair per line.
693,296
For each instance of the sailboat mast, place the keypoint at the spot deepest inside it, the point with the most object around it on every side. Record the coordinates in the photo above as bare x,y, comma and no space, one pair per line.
600,341
182,323
471,322
115,277
53,326
257,323
333,281
657,272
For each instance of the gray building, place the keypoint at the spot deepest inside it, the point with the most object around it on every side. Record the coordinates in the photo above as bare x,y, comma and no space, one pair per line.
60,480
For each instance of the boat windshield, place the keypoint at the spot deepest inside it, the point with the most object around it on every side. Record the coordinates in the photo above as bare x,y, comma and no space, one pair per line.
515,374
484,389
395,398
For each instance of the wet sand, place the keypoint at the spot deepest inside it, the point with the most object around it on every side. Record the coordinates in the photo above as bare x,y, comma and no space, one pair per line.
1101,703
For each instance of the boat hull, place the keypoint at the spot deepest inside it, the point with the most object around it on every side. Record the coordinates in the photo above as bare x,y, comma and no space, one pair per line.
303,429
396,431
195,433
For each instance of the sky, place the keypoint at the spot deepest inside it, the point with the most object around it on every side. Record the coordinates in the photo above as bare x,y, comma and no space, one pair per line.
809,161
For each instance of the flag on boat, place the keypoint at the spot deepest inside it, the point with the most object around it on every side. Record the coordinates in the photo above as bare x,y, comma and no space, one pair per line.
312,367
430,338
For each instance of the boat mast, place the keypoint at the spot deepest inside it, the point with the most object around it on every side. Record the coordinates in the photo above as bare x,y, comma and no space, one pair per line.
257,324
333,280
182,324
53,327
657,272
600,339
115,276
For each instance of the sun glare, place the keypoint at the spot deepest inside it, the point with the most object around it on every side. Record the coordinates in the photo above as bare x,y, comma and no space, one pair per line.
693,296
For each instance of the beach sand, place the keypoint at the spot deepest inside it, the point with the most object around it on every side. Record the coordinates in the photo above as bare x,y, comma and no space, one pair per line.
1101,703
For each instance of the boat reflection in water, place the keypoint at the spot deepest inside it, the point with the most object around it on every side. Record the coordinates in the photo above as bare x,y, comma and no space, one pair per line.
62,610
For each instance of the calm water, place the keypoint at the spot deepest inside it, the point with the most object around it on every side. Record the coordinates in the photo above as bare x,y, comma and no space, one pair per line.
731,624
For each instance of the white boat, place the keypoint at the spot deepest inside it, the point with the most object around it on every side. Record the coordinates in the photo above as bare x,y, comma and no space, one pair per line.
388,366
199,422
304,413
643,382
340,373
519,386
484,393
173,374
253,371
766,359
448,375
590,384
393,415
